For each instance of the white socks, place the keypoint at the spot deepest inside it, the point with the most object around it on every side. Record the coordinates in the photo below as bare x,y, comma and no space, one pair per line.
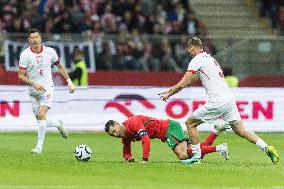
52,123
261,144
41,132
196,150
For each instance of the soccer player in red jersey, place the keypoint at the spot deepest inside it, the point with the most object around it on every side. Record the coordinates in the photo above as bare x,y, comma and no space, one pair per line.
144,128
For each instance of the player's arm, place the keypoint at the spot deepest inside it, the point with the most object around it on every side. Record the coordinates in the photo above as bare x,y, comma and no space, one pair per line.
187,80
22,76
146,147
126,149
64,73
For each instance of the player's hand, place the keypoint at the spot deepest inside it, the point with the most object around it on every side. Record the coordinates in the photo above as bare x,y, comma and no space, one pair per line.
39,87
71,87
164,95
130,160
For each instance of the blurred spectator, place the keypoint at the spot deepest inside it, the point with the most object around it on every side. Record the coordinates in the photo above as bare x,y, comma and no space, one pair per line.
281,16
168,62
2,68
105,58
231,80
79,75
176,29
124,59
181,55
147,60
191,24
149,24
272,10
208,44
99,19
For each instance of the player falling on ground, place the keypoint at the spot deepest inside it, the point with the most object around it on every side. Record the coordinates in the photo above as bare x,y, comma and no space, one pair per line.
221,101
144,128
35,70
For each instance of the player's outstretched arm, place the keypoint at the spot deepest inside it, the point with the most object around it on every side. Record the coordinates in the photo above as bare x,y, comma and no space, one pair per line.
64,73
187,80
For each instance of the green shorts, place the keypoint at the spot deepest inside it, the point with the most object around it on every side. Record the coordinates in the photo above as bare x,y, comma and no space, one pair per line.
175,134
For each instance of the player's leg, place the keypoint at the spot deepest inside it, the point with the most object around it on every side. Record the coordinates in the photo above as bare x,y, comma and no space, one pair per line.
47,98
241,131
232,116
41,129
181,150
36,107
177,140
191,124
218,129
59,125
209,140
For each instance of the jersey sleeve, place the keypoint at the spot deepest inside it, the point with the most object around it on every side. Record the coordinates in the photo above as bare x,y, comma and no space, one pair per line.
194,66
23,63
54,57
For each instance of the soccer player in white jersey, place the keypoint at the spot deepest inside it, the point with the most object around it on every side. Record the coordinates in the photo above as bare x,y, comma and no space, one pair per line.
35,70
221,101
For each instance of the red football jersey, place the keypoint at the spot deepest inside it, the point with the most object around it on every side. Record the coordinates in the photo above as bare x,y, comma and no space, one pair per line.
143,128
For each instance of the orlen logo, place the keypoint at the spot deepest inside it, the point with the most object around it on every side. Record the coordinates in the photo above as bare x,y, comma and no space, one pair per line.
12,108
248,110
128,98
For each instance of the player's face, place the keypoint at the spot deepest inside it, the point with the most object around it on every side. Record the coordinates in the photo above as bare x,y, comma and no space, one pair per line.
35,39
117,130
191,50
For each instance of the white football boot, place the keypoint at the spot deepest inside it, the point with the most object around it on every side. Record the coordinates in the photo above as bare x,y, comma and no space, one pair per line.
62,130
221,127
37,150
222,149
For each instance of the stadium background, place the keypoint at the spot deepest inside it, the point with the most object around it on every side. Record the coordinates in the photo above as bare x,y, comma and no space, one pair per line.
132,43
134,49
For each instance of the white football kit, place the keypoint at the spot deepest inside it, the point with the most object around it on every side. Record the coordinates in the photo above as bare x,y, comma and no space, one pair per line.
221,101
38,66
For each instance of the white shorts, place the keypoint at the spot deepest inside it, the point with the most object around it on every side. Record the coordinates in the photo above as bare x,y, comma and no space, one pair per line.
210,112
41,99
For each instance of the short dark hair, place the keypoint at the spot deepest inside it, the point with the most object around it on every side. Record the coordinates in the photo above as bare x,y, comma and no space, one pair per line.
109,124
33,30
194,41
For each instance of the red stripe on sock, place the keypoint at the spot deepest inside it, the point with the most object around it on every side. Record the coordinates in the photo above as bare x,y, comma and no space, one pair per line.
209,140
207,150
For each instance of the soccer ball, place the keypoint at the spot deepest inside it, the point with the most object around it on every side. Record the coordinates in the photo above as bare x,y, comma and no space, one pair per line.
82,152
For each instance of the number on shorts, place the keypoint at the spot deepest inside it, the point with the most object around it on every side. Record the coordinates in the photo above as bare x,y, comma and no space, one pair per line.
48,96
41,72
169,141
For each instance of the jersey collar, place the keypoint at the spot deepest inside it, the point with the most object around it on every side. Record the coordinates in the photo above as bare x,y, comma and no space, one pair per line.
41,49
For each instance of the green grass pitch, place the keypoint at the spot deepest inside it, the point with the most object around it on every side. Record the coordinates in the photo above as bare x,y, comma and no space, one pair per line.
56,167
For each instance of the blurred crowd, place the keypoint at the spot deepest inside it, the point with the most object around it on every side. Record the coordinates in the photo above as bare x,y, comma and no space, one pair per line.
129,19
274,11
108,16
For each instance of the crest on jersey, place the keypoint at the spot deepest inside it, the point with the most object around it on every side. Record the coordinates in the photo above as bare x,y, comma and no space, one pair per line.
39,59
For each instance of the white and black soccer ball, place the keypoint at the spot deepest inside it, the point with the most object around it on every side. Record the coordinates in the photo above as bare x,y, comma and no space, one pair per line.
82,152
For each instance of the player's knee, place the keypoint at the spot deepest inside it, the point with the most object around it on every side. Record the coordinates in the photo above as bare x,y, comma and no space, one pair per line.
240,132
41,116
182,155
189,124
